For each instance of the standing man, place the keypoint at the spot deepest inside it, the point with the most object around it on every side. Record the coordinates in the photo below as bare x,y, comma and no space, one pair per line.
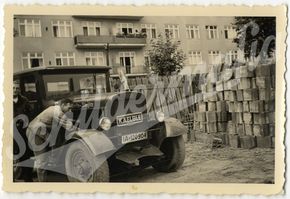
21,106
42,128
20,103
123,80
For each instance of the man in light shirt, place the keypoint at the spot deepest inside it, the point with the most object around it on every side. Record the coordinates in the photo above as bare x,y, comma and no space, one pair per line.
123,80
40,130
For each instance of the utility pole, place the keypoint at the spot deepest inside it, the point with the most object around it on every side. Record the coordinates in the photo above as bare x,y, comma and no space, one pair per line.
107,48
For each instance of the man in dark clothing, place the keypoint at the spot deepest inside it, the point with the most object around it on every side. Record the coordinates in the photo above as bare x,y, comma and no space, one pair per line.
21,106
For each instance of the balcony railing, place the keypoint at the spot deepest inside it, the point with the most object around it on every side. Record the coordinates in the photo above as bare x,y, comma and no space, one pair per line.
137,69
118,41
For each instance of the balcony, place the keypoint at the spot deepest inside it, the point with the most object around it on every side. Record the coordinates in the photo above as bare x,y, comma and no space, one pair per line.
137,69
118,41
110,17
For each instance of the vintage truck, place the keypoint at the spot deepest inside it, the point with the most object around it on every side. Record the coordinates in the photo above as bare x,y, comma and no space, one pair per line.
115,131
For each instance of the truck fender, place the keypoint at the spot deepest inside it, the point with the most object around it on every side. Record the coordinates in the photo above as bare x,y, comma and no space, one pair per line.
173,127
170,127
96,141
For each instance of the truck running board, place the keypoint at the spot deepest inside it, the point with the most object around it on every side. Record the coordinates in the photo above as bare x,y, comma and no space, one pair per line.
132,157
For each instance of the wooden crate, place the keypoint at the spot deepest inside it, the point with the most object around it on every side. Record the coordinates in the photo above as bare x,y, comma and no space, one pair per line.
202,107
237,118
211,106
230,96
256,106
259,118
248,118
212,127
240,129
248,142
244,83
246,107
231,128
264,142
250,94
249,129
243,71
222,126
211,116
261,130
263,82
222,116
263,70
219,86
234,141
240,95
221,106
238,107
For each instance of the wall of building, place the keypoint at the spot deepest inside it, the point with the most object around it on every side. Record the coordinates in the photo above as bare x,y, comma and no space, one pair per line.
49,44
203,44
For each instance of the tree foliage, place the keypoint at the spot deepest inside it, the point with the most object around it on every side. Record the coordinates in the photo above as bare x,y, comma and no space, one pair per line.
256,35
165,56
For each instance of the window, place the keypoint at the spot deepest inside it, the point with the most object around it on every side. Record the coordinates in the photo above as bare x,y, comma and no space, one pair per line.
29,88
195,57
127,59
94,58
150,30
214,57
65,59
212,32
62,28
32,59
192,32
231,56
172,30
93,84
125,28
29,28
58,86
91,28
230,32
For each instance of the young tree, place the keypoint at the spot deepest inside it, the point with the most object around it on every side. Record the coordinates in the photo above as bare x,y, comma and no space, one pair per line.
165,56
256,35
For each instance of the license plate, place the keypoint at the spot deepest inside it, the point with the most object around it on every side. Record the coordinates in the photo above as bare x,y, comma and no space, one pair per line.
134,137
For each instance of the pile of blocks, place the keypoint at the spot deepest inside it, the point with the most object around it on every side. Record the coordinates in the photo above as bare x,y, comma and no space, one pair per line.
238,105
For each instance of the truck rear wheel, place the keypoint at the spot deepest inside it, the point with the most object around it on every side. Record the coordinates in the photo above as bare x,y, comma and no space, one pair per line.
82,166
174,150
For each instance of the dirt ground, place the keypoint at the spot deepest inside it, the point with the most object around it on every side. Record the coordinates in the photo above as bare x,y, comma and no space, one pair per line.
220,165
205,165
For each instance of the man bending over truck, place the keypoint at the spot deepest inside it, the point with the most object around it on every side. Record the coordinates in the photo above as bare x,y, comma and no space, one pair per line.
39,130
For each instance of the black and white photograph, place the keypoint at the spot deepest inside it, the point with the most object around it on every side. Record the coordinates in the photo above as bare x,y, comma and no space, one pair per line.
122,98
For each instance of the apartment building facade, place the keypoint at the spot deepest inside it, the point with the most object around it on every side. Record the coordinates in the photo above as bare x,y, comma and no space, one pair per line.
119,40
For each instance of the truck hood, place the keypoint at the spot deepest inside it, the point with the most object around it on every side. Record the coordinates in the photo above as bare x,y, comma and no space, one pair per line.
125,102
92,97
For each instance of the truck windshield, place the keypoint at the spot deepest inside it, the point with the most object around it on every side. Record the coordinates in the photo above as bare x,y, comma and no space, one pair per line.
60,85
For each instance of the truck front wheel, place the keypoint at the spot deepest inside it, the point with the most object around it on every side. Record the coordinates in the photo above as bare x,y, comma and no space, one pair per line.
174,150
82,166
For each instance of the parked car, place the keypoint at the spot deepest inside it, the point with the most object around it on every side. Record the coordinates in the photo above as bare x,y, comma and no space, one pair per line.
115,132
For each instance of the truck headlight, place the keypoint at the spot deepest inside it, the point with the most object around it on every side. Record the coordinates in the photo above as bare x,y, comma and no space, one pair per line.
160,116
105,123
